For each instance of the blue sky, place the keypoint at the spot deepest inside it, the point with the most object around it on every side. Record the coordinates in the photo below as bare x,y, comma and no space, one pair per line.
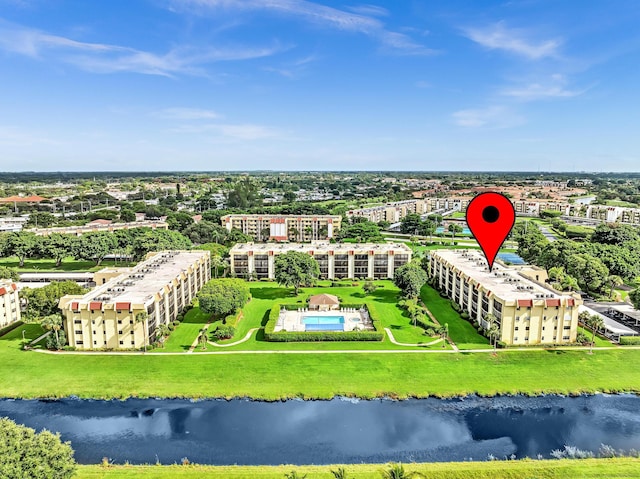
323,85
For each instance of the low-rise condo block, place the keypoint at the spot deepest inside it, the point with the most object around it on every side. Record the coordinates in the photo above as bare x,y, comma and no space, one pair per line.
371,260
526,311
9,303
284,227
127,309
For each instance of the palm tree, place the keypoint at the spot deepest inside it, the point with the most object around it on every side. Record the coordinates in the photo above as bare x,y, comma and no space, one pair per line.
443,331
143,317
216,262
53,322
396,471
340,473
163,331
613,280
493,331
202,339
294,475
594,322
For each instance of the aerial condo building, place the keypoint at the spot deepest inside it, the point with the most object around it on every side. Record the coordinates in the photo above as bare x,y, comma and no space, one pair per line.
335,260
127,309
525,311
284,227
9,303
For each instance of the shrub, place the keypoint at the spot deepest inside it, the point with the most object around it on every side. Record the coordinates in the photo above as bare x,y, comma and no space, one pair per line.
224,332
629,340
180,318
171,327
464,315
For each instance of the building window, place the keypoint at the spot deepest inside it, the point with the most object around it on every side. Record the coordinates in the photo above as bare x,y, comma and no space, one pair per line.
120,332
95,342
78,331
119,321
566,327
79,342
121,343
565,338
516,328
77,321
131,332
133,343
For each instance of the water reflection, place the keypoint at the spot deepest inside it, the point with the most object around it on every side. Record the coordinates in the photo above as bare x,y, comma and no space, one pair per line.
316,432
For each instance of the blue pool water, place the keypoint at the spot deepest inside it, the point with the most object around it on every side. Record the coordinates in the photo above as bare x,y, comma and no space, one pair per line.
511,258
465,230
323,320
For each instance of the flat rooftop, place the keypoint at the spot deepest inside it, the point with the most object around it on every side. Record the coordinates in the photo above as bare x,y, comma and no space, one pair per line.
320,247
506,283
138,285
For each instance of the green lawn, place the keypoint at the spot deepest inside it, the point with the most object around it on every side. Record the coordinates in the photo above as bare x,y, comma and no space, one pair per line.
30,374
186,332
618,468
599,341
461,331
68,264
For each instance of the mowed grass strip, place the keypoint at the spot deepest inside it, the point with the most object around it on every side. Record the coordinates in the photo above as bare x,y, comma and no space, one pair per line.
30,374
68,264
461,331
617,468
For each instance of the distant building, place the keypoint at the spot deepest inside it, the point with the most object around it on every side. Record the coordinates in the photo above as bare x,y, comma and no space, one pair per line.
526,311
335,260
390,212
160,286
99,225
9,303
284,227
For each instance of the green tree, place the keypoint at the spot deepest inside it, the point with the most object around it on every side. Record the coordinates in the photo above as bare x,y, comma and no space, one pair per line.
221,297
40,219
289,196
369,287
158,240
294,475
362,232
589,270
143,317
454,229
410,278
20,244
493,331
44,301
411,224
179,221
634,296
613,280
162,333
294,268
30,455
53,322
95,246
443,331
127,215
57,246
9,273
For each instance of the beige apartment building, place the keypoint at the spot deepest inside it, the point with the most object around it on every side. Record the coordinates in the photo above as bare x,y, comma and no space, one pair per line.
9,303
161,286
99,226
285,227
335,260
527,312
390,212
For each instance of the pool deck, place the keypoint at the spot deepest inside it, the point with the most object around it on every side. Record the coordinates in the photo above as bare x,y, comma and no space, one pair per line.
353,319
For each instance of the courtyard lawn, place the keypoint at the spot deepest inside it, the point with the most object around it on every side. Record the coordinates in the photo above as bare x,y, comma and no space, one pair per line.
68,264
461,331
186,332
382,305
617,468
598,341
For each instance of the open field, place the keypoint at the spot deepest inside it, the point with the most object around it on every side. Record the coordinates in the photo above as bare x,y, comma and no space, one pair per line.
277,375
68,264
618,468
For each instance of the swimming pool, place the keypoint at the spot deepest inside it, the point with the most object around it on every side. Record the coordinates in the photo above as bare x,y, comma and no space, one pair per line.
323,323
512,258
323,320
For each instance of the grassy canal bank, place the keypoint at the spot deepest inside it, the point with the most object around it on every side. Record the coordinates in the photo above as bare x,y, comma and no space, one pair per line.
618,468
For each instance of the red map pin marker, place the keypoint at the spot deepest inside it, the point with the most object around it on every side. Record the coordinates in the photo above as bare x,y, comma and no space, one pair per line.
490,217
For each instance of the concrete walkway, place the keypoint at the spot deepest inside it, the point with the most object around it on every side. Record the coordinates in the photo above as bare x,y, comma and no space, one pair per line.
393,340
246,338
347,351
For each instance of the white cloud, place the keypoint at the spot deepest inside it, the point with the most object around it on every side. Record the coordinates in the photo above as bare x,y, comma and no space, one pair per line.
371,10
498,37
105,58
491,117
186,114
555,87
361,21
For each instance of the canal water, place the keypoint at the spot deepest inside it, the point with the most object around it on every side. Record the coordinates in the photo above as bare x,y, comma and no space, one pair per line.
336,431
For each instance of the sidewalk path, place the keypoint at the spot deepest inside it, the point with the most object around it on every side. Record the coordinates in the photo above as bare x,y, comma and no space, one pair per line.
393,340
246,338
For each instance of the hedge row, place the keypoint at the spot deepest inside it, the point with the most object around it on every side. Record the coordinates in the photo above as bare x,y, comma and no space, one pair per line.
294,336
10,327
629,340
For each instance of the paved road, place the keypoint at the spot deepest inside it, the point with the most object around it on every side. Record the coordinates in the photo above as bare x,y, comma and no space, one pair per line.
547,233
